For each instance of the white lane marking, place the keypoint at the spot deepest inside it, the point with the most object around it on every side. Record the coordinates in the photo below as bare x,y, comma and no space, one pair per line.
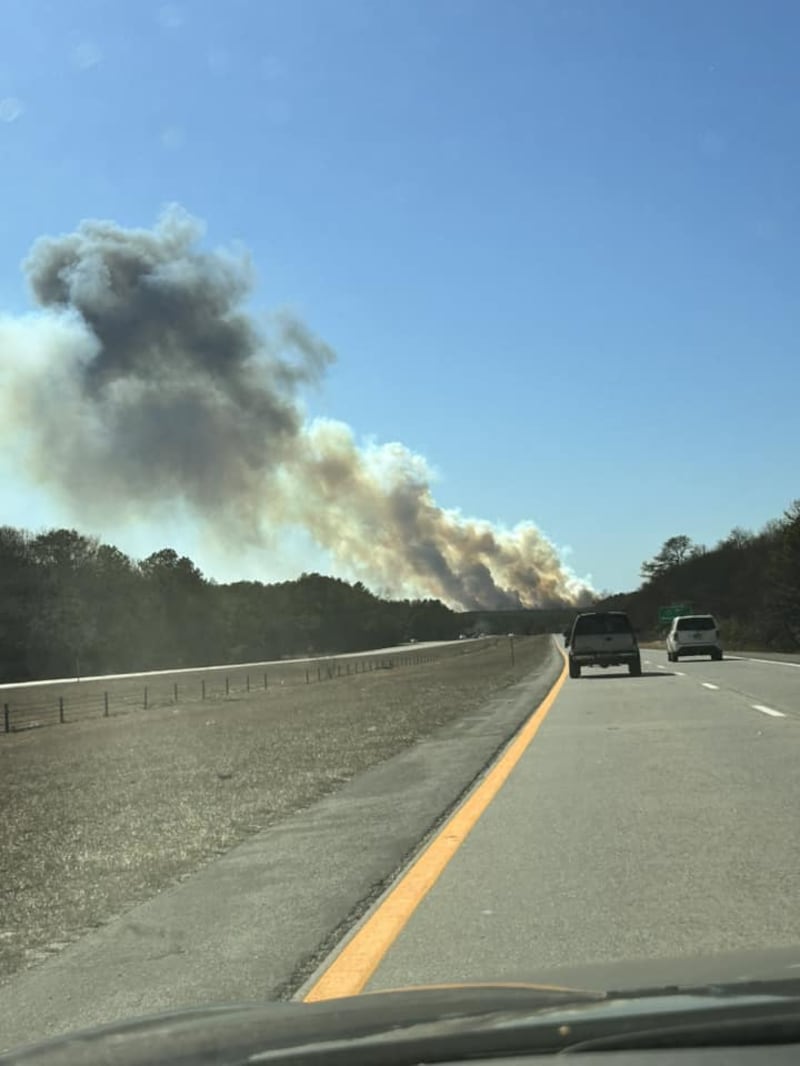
768,710
660,667
647,662
679,674
769,662
707,684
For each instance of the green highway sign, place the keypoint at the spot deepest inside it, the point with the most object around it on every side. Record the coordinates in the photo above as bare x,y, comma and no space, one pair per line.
666,614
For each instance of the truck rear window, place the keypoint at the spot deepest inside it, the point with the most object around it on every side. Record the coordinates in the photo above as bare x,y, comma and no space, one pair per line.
699,622
594,624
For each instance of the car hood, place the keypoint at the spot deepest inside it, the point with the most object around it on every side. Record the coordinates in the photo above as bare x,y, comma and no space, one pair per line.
396,1025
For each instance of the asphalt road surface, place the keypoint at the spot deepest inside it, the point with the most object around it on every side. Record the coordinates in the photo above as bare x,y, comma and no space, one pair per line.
649,818
636,819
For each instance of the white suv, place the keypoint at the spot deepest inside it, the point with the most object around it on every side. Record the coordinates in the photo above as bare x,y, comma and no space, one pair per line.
693,634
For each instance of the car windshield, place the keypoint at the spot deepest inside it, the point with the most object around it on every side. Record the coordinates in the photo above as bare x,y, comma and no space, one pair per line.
700,622
335,655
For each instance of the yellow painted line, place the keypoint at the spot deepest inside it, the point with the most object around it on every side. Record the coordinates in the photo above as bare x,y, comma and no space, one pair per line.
359,958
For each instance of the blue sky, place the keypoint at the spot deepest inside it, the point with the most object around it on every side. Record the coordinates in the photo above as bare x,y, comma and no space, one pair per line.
553,243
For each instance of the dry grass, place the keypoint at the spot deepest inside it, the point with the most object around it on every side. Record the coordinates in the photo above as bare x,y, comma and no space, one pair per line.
104,813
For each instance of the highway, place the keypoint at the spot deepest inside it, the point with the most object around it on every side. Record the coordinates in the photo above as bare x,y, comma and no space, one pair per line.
569,823
652,818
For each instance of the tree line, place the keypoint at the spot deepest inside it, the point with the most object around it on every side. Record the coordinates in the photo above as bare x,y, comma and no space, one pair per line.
749,581
72,606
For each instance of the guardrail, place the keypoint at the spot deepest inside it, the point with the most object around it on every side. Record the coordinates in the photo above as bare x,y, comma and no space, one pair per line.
33,707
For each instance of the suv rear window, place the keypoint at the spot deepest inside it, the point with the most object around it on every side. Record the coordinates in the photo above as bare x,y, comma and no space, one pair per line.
698,622
594,624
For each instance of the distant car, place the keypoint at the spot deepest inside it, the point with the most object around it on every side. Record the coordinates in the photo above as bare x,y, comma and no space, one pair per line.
694,634
603,638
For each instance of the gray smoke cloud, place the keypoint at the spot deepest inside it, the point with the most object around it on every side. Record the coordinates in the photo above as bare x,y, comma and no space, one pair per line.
143,380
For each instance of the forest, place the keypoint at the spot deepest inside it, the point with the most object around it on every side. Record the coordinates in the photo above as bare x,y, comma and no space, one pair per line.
749,580
73,606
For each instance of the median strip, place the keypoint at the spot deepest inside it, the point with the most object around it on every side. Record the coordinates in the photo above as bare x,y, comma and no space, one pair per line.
160,793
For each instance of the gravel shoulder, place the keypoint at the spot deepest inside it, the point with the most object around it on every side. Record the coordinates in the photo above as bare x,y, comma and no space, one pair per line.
106,814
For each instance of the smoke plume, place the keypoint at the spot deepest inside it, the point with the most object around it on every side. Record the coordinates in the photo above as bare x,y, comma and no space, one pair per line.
142,381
